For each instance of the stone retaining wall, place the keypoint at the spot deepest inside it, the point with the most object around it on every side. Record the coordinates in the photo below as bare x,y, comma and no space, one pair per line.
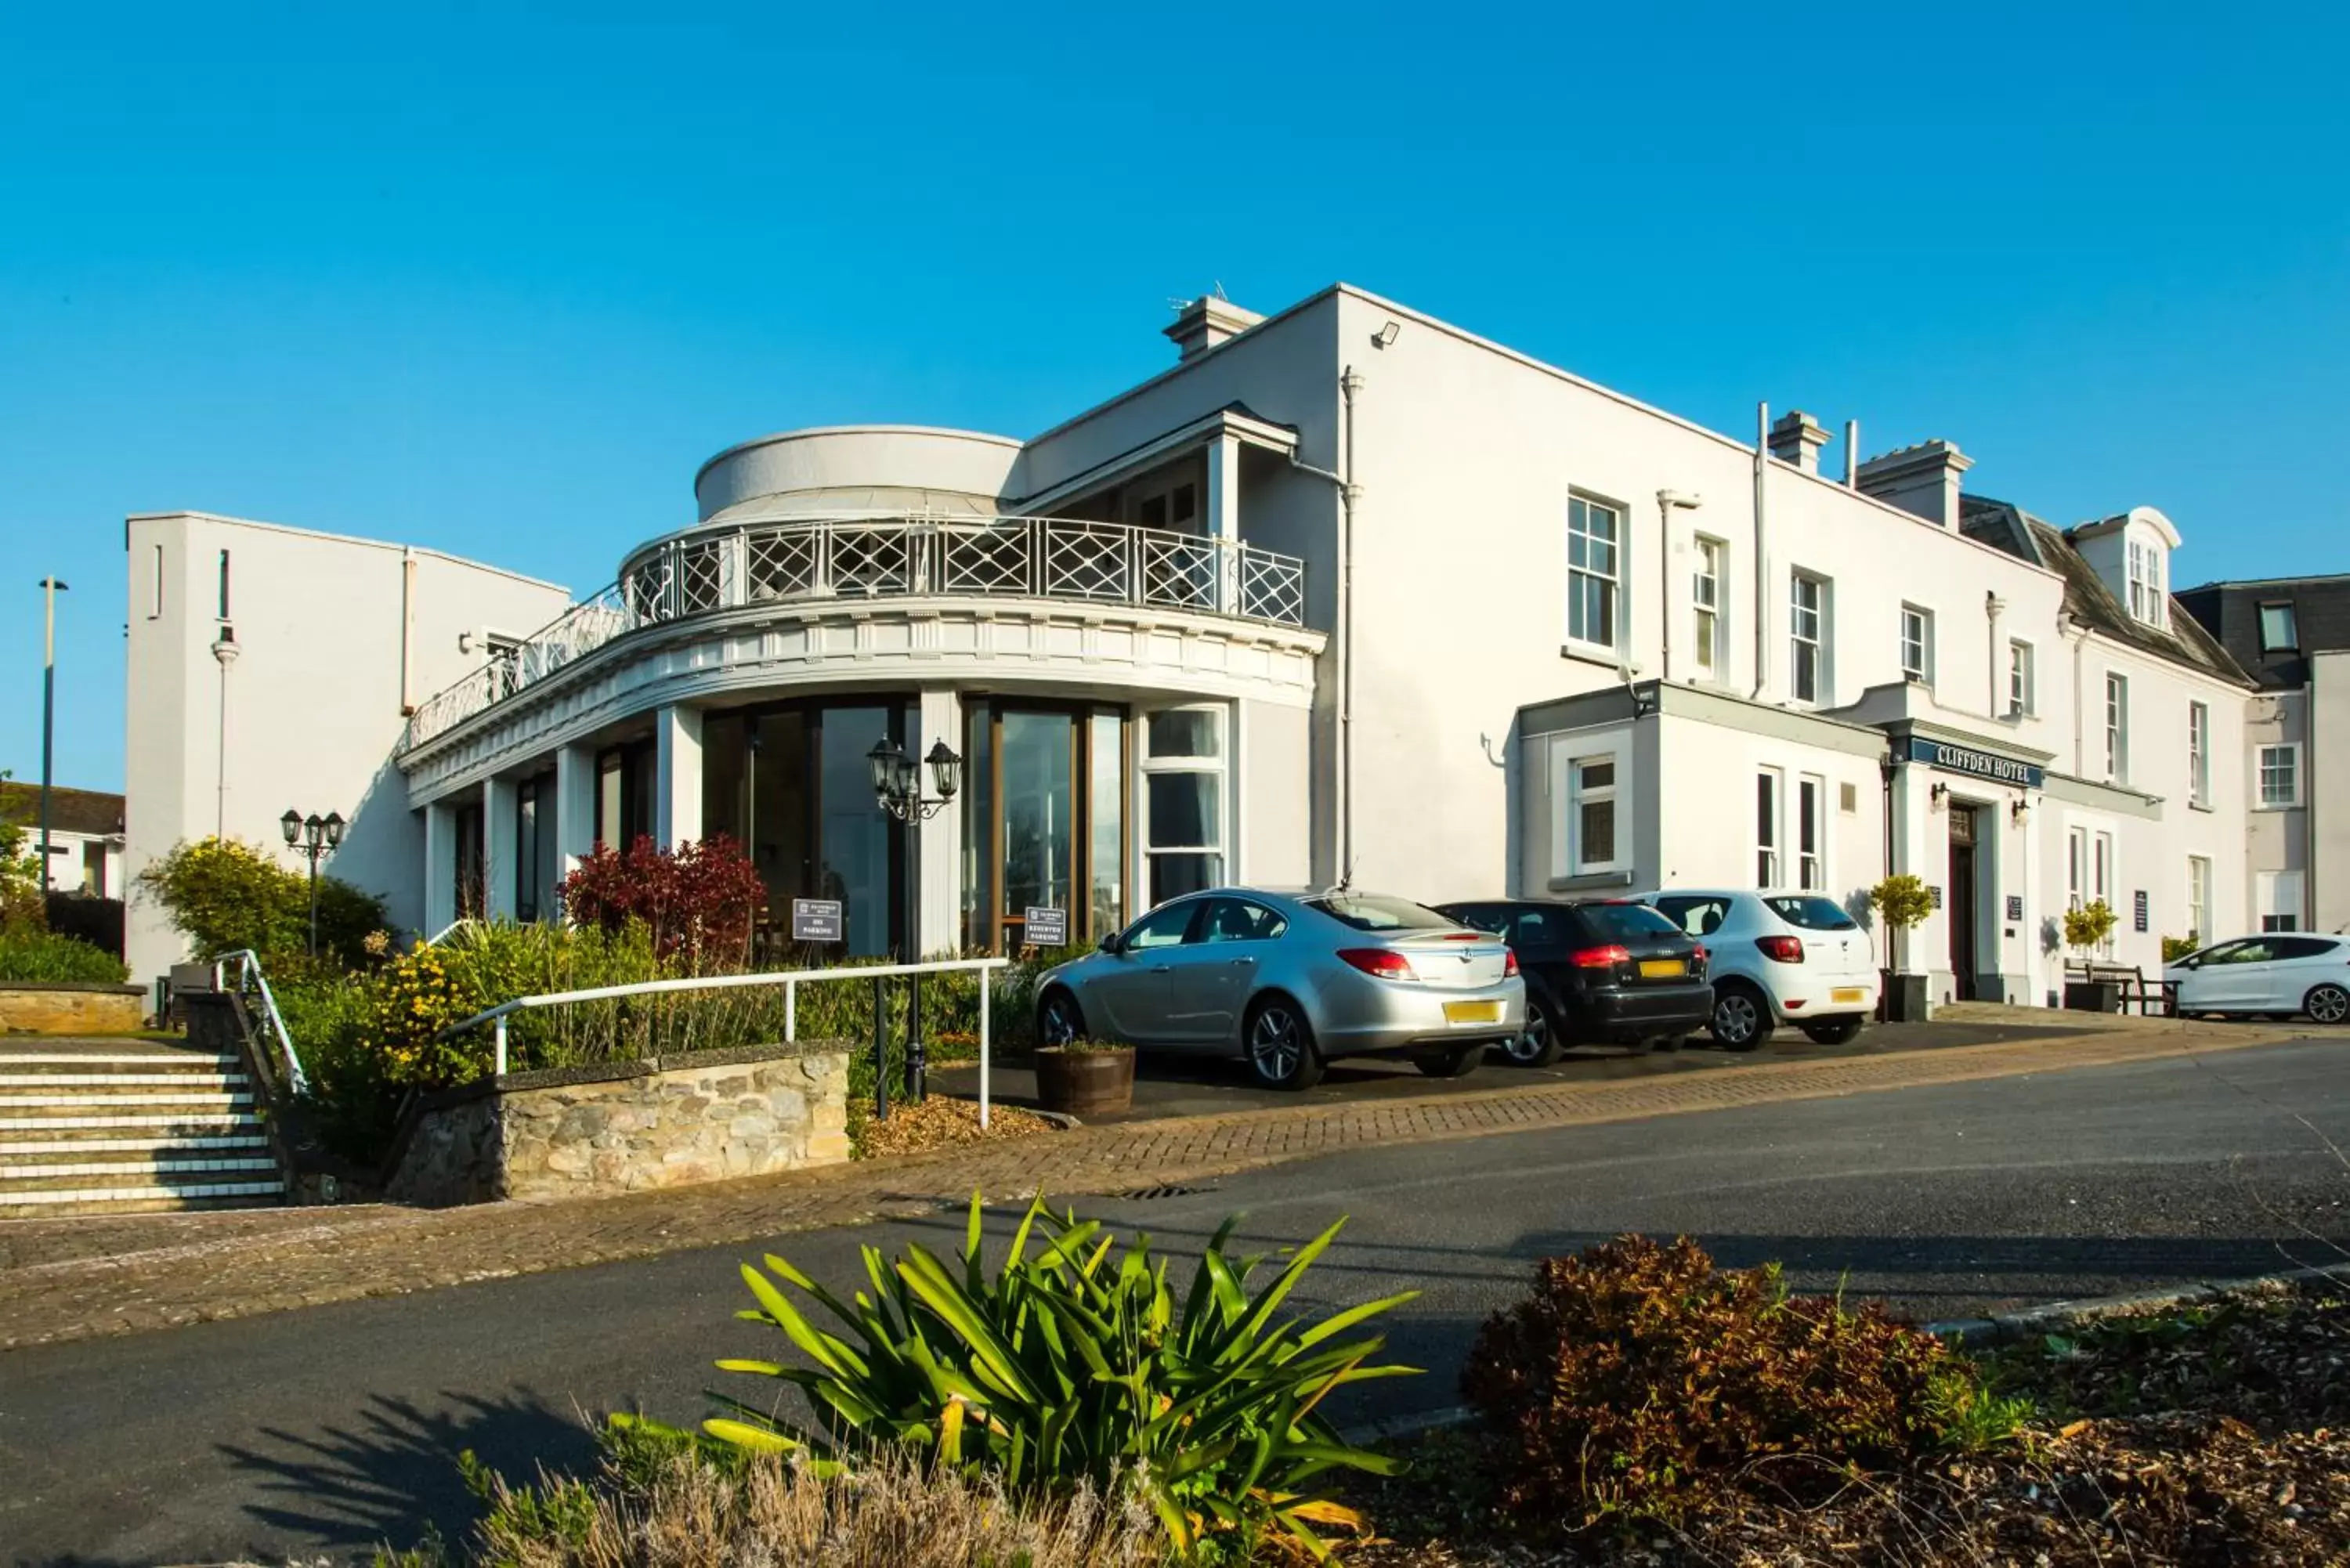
28,1007
706,1115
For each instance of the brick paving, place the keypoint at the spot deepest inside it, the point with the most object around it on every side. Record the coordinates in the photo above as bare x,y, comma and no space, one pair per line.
77,1279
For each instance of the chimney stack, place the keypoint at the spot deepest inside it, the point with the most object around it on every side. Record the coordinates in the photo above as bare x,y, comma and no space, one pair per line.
1923,479
1208,321
1796,438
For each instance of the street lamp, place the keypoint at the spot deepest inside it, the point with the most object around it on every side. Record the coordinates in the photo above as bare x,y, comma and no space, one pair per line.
315,837
50,588
898,788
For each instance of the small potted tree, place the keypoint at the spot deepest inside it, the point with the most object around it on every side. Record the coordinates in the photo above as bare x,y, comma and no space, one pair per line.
1902,904
1084,1077
2085,930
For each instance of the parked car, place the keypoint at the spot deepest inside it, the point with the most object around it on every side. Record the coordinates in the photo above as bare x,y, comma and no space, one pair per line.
1290,981
1778,958
2284,972
1598,971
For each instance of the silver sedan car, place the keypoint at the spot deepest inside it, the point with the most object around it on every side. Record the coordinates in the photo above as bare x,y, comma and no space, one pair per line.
1291,980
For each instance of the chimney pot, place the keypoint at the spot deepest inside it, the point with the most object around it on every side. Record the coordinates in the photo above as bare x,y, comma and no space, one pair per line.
1208,321
1922,479
1796,438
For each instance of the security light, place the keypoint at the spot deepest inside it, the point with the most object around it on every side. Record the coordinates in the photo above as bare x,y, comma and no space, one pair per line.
1674,498
1385,335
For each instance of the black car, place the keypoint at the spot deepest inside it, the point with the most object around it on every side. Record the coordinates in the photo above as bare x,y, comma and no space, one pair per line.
1598,971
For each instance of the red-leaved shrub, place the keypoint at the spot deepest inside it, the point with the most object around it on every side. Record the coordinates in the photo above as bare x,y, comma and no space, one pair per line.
1640,1380
698,901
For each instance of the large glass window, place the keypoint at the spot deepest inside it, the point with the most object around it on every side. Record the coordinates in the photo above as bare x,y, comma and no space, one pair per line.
1183,801
1593,567
624,795
1105,818
472,883
793,787
978,827
536,870
1038,772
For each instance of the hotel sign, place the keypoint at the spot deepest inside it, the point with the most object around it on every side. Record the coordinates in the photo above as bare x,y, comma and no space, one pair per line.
1976,763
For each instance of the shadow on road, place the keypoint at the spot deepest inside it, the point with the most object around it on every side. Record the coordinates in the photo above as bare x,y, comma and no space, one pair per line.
383,1478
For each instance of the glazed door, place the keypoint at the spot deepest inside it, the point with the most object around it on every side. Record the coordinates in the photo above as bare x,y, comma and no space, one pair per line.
1962,911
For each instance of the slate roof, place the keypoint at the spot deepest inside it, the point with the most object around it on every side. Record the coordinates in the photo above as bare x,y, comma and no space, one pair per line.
85,811
2184,640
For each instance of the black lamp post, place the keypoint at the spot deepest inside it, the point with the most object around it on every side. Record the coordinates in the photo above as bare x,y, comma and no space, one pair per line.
317,837
898,788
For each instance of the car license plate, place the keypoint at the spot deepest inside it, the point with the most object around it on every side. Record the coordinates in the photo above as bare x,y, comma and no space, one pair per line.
1472,1013
1847,993
1658,969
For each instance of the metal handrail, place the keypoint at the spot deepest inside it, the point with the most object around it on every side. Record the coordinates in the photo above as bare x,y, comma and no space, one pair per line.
790,979
249,977
708,570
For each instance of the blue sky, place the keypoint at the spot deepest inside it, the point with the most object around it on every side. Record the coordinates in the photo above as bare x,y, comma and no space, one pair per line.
497,279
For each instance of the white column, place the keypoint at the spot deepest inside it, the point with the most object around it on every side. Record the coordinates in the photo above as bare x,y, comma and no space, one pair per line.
440,868
1223,518
677,775
938,919
498,837
575,807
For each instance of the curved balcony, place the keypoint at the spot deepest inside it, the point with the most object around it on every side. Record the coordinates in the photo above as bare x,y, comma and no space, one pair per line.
711,570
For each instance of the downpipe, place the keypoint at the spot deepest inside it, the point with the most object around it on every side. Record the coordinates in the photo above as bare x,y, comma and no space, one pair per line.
1350,381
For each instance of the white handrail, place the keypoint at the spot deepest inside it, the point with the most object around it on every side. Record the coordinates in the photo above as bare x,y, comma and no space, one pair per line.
790,979
248,964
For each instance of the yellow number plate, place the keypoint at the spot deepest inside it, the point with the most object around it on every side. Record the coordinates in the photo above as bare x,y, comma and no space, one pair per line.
1472,1013
1657,969
1847,993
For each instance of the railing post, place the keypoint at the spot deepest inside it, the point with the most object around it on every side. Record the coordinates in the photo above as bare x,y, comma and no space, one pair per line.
501,1067
881,1052
985,987
1040,541
1134,572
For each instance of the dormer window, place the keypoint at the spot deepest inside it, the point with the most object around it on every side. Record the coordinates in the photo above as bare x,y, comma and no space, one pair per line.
2146,598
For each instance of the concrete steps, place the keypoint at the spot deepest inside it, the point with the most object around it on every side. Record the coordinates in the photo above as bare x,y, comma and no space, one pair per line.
129,1126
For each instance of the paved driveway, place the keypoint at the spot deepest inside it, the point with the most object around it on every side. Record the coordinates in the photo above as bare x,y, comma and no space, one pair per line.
1176,1083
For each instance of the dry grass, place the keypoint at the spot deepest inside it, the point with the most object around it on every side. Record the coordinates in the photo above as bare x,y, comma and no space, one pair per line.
891,1513
940,1122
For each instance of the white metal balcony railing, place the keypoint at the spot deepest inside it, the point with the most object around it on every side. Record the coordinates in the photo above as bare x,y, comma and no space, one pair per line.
893,557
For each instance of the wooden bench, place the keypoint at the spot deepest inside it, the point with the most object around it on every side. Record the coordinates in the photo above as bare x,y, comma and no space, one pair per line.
2147,998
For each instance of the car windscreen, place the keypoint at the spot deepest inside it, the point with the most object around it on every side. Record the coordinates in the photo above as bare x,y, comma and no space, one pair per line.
1371,912
1813,914
1627,922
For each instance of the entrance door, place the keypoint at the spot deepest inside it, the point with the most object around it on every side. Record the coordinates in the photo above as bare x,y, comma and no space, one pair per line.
1961,912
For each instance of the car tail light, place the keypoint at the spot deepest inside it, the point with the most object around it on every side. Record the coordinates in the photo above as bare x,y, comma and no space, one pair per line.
1599,958
1509,963
1786,949
1380,963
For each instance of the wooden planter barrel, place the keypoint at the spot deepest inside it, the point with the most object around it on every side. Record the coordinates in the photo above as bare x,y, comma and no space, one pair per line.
1084,1083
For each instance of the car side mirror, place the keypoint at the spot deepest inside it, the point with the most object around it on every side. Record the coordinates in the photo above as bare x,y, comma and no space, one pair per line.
1109,942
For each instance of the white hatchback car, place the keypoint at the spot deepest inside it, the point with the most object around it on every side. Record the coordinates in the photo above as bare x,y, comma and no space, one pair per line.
2284,972
1778,958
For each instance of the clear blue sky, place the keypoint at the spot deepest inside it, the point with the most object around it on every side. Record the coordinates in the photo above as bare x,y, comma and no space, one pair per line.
496,278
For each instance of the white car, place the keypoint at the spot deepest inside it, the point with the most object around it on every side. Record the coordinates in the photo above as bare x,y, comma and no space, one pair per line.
2284,972
1778,958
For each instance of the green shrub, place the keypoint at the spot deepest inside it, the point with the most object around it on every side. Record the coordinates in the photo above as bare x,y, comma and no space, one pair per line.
1079,1365
223,895
1639,1380
2089,926
30,954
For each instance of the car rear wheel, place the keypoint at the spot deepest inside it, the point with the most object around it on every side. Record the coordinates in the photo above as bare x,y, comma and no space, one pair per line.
1742,1016
1840,1032
1449,1061
1060,1022
2327,1005
1539,1044
1280,1045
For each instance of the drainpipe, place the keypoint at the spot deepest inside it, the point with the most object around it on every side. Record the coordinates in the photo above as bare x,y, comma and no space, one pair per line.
1343,479
1762,621
2077,635
406,629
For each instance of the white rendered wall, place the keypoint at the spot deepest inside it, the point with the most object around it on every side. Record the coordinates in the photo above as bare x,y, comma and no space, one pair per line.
314,698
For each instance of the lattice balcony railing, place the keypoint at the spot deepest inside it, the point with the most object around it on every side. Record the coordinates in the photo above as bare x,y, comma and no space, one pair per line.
887,558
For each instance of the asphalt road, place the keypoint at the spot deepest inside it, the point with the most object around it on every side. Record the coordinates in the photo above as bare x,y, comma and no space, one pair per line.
326,1431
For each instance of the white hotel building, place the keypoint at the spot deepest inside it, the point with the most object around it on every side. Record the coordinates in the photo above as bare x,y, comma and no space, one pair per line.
1346,591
